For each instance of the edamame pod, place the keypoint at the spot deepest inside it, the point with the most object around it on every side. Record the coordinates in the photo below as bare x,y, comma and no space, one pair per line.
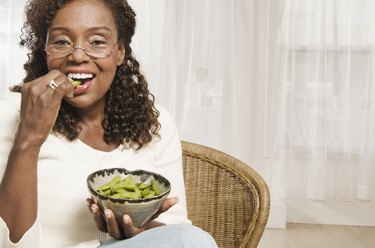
76,83
106,192
145,192
109,185
120,190
139,192
155,187
124,185
143,186
150,194
129,195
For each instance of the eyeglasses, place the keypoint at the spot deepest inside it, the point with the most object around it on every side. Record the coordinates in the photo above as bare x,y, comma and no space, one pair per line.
96,50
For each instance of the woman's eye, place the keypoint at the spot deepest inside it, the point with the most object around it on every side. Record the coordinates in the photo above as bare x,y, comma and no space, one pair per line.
98,43
62,43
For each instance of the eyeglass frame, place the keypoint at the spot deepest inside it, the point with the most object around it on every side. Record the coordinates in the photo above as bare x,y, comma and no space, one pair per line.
83,49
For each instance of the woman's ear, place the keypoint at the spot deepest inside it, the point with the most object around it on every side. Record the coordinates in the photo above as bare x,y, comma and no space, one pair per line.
121,54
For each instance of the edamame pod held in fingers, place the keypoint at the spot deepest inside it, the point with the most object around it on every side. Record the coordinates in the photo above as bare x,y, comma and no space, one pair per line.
76,83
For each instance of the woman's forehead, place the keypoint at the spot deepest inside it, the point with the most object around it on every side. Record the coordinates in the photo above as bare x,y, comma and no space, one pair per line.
82,15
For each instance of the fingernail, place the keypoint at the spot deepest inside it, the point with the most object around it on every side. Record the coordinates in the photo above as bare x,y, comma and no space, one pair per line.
93,209
176,199
126,219
107,213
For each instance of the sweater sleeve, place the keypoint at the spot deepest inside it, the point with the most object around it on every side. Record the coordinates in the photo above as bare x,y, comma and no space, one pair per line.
32,237
169,164
9,105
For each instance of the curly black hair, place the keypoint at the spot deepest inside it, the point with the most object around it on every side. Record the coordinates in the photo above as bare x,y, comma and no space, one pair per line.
131,118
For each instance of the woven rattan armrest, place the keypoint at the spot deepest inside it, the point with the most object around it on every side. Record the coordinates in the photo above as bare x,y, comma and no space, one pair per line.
225,196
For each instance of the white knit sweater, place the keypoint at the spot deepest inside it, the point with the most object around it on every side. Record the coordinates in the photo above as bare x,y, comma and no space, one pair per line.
63,217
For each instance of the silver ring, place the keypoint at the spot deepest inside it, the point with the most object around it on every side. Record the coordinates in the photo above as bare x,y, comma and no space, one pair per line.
52,85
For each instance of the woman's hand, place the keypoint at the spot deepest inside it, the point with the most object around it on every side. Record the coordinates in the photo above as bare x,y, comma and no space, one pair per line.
40,105
106,222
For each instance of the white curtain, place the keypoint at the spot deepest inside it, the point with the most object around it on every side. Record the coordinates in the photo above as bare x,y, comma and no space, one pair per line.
323,100
12,57
284,85
206,61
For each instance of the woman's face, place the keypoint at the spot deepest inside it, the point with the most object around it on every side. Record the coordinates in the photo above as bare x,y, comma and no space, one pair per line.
89,25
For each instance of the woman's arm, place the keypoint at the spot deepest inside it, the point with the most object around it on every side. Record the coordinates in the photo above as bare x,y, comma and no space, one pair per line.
18,188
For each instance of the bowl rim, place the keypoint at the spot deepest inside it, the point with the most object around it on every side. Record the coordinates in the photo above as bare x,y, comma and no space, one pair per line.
109,171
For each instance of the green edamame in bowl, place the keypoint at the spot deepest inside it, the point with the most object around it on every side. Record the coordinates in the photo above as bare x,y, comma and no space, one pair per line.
137,193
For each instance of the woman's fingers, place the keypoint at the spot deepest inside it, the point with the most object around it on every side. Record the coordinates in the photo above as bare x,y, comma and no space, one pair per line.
129,229
98,217
53,82
61,86
167,204
107,221
112,225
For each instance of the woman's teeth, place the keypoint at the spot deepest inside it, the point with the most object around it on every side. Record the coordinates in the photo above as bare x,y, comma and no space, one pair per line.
78,79
80,75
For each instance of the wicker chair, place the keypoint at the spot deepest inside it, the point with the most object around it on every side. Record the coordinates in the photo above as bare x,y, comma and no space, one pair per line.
225,197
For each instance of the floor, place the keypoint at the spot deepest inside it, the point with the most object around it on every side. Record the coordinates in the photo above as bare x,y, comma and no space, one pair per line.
318,236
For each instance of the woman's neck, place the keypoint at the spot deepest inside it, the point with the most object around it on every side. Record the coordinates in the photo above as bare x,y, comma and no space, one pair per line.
92,131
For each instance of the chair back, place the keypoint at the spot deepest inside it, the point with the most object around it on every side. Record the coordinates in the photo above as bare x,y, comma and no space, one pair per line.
225,196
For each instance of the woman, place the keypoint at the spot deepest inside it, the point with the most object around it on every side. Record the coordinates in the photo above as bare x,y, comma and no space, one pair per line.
54,133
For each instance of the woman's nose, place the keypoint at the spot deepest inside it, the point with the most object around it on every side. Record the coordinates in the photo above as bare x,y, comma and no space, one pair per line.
79,54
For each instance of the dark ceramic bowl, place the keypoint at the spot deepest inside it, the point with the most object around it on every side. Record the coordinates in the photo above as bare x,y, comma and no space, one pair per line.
140,210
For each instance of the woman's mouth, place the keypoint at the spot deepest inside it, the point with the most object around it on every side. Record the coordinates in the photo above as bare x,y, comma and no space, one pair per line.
81,81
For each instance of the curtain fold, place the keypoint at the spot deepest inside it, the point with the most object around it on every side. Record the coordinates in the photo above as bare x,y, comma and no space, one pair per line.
202,71
325,140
